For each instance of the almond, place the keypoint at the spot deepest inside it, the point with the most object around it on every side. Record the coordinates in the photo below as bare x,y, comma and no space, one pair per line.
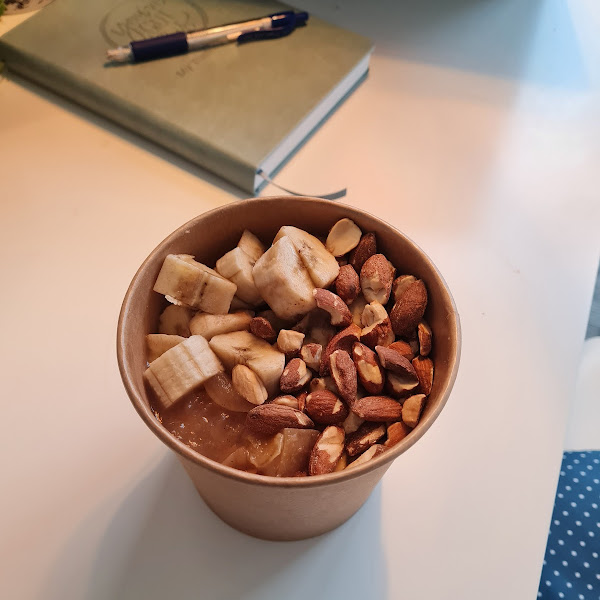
364,437
371,453
376,278
404,348
343,340
342,463
294,377
327,451
366,248
289,342
409,309
352,422
275,321
368,368
287,401
395,433
393,361
343,237
322,335
424,369
414,345
322,383
378,334
316,325
303,325
343,373
268,419
334,305
357,308
347,284
401,284
412,408
262,328
425,337
374,312
311,355
325,407
301,398
247,384
398,386
377,408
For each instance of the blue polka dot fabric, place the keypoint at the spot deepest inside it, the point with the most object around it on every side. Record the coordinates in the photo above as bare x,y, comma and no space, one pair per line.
572,565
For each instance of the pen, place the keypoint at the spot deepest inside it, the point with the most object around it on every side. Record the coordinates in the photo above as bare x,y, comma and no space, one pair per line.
272,26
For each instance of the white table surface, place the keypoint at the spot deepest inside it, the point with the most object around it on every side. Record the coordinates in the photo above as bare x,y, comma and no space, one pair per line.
477,133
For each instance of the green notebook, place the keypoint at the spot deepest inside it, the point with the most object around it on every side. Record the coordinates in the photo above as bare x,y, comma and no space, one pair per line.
232,109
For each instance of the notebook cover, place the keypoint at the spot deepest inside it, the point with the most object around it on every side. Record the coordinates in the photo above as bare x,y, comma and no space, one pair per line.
225,108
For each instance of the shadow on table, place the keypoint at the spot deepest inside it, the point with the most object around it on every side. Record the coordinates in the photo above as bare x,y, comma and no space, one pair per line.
528,40
129,136
180,549
456,78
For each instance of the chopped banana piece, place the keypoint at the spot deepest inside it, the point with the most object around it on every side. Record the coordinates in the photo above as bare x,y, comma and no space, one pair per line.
283,281
251,245
159,343
236,266
175,320
208,325
184,281
182,369
237,304
322,266
243,348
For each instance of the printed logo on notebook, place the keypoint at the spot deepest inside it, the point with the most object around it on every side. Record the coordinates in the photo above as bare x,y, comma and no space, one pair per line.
143,19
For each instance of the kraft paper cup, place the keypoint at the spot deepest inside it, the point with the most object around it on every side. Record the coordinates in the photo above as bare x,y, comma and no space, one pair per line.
287,508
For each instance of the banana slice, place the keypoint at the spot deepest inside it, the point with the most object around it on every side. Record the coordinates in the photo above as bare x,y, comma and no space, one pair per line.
182,369
208,325
158,343
243,348
283,281
322,266
238,304
236,266
189,283
251,245
175,320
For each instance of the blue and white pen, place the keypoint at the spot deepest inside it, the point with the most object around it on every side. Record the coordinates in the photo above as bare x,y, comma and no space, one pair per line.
273,26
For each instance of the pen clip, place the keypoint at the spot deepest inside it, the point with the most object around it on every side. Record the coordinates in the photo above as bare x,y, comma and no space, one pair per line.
284,23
